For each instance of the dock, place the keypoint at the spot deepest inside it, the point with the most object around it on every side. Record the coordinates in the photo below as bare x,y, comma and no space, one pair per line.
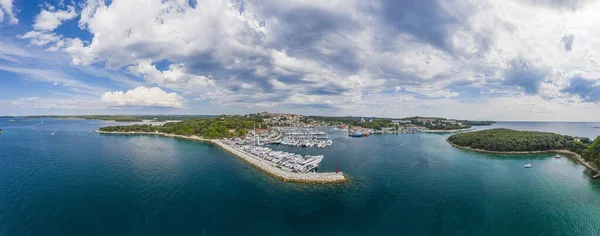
267,167
311,177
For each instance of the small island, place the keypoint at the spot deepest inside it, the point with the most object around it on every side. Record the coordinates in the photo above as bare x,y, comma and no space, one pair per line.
507,141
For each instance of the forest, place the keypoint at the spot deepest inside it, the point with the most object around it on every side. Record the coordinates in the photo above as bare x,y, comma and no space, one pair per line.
220,127
510,140
507,140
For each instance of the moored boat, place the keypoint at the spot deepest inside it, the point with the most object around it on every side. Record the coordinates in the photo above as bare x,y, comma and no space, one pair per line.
527,166
356,134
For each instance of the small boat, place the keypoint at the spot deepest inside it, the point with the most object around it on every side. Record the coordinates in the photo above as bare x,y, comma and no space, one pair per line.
527,166
1,131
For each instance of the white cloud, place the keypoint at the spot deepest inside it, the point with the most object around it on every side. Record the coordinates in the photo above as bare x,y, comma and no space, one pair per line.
174,78
46,22
51,103
6,9
53,75
49,20
40,38
143,97
43,68
340,54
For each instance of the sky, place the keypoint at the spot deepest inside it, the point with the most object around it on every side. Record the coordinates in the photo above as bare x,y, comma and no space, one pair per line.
526,60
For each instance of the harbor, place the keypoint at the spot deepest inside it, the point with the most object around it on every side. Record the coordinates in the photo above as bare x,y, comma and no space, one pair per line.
284,160
286,166
275,170
136,175
299,137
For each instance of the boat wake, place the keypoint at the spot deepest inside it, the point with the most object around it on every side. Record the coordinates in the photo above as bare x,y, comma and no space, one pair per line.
35,127
54,132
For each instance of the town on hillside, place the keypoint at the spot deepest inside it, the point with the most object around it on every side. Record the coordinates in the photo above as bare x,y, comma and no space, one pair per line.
285,123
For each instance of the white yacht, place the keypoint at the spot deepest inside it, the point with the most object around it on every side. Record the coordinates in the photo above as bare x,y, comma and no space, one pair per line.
527,166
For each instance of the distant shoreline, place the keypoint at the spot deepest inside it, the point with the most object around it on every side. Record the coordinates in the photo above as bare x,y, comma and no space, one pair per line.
574,156
270,169
447,130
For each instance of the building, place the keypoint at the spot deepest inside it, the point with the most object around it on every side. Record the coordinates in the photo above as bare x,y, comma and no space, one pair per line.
452,122
414,129
426,120
397,122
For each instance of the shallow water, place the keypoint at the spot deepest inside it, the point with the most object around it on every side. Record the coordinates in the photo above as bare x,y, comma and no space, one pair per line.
76,182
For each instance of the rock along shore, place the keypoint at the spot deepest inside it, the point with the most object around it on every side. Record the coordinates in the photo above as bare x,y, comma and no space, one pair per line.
267,167
574,156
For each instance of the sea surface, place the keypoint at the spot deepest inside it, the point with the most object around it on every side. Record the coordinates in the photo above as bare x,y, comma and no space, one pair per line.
57,177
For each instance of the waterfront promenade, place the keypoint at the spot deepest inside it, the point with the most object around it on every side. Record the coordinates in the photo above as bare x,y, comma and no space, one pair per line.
267,167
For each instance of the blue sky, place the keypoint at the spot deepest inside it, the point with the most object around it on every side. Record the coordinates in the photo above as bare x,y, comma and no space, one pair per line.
481,59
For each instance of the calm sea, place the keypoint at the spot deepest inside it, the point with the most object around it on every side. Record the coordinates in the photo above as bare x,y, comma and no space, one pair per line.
59,178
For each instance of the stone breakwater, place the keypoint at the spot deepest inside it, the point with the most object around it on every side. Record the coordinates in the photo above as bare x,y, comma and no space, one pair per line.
574,156
269,168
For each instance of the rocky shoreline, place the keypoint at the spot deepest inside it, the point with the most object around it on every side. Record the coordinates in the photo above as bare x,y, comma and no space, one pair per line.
271,169
574,156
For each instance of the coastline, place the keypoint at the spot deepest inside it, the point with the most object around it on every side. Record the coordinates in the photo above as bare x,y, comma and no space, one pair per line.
442,131
266,167
574,156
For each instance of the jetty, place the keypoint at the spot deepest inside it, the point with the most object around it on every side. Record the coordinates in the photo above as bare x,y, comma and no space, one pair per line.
273,169
260,163
596,176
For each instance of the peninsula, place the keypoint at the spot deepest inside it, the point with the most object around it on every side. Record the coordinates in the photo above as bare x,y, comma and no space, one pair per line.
238,136
507,141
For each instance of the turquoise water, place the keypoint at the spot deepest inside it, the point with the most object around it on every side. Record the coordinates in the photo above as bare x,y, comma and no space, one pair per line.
76,182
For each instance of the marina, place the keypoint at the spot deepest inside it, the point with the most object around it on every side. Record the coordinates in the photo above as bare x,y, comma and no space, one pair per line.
277,171
130,177
284,160
282,165
302,137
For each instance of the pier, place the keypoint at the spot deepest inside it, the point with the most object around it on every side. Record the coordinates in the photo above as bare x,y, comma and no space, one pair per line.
268,167
596,176
302,137
271,168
